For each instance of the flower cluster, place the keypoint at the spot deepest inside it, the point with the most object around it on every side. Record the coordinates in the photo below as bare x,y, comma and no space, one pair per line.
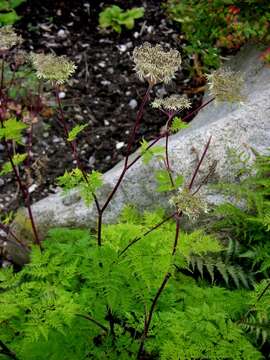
172,103
56,69
226,85
190,205
8,38
154,64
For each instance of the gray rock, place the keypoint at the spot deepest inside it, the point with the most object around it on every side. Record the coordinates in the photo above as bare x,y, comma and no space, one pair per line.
241,127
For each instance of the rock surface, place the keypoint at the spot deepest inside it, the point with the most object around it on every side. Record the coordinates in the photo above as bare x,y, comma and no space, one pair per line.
240,127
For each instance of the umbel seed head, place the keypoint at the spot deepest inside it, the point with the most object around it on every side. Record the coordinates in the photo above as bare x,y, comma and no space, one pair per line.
226,85
172,103
56,69
154,64
190,205
8,38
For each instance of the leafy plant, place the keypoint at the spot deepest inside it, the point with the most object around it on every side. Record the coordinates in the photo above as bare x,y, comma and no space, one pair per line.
76,300
114,17
123,290
249,225
8,15
212,26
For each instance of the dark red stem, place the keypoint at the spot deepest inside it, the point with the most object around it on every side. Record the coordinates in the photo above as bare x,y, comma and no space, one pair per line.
73,147
199,163
151,312
25,194
126,167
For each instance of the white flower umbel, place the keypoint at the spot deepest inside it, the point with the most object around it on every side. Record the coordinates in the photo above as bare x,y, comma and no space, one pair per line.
172,103
56,69
154,64
8,38
190,205
226,85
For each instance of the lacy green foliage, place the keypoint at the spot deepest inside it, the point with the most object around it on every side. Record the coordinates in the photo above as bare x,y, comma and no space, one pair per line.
114,17
74,132
250,224
149,154
17,160
12,130
164,182
257,320
8,15
210,26
76,179
177,125
76,300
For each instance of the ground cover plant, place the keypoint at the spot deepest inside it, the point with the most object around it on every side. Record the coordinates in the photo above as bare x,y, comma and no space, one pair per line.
8,15
114,17
210,27
136,289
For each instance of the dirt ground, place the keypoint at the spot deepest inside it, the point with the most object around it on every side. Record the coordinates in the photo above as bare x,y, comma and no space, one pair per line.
105,92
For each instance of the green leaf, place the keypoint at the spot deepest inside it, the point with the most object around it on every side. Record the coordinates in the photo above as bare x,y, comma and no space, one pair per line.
89,188
72,135
70,179
114,17
147,154
164,181
9,18
16,3
12,130
177,124
17,160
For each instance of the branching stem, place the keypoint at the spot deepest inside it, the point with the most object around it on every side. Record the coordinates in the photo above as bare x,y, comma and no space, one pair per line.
6,351
126,167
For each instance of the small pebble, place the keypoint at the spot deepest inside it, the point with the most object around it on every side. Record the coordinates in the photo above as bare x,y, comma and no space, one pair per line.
105,82
6,264
91,160
119,145
79,117
56,140
161,92
2,182
32,188
133,104
102,64
122,48
106,123
61,33
62,94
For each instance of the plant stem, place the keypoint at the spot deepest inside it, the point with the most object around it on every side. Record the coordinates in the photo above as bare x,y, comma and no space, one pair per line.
177,232
2,73
199,163
185,118
126,167
25,194
6,351
73,147
9,232
146,233
175,245
163,135
89,318
151,312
